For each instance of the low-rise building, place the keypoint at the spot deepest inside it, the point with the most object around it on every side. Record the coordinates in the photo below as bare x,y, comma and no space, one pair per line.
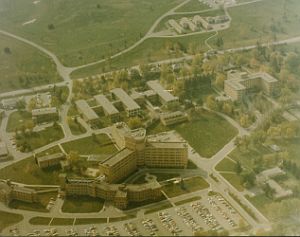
11,103
9,192
45,115
131,107
188,24
239,84
89,115
200,21
119,194
164,96
50,160
108,108
178,28
170,118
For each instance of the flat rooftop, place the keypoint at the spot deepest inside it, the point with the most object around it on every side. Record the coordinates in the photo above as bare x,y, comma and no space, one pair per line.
44,111
106,104
167,145
162,93
125,99
51,157
116,158
84,108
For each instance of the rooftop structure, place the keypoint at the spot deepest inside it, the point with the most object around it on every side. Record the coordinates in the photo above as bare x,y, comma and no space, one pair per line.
173,118
108,107
165,96
132,107
84,108
239,83
188,24
44,111
176,26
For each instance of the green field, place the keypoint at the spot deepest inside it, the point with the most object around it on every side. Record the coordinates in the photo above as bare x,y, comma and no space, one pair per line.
151,50
82,204
190,185
76,128
17,120
193,5
83,31
207,134
40,220
187,200
27,171
88,146
42,138
23,66
10,219
226,165
261,21
234,179
52,150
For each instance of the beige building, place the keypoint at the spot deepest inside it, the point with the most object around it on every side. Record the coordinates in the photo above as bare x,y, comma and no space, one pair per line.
164,96
200,21
89,115
178,28
188,24
170,118
137,149
9,192
238,84
50,160
108,108
45,115
119,194
131,107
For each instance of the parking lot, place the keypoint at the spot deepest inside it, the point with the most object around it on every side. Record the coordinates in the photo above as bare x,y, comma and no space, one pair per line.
211,212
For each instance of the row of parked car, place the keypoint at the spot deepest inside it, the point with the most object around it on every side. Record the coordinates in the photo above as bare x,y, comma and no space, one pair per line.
169,223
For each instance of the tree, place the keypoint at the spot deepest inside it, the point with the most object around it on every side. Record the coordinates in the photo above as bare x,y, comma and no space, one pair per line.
211,102
51,27
220,78
135,122
7,50
239,167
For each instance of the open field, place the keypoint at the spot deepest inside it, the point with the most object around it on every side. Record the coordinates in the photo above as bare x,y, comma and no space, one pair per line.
27,171
193,5
10,219
17,120
263,21
42,138
234,179
76,128
189,185
150,50
49,151
22,66
207,134
89,146
79,32
226,165
82,204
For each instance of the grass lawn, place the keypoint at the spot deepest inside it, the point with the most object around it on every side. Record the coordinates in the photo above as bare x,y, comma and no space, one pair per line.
159,207
76,128
261,21
40,220
120,23
62,221
260,202
42,138
82,204
207,134
88,146
193,5
187,200
162,176
226,165
8,219
190,185
235,180
151,50
52,150
24,66
16,204
27,171
86,221
17,120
